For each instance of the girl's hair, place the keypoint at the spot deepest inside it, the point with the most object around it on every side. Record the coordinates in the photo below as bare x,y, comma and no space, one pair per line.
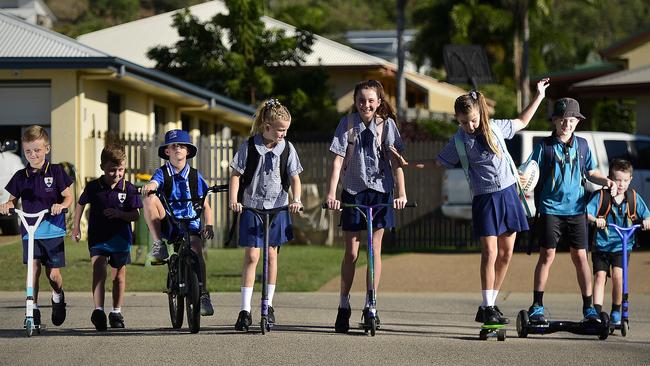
475,101
113,154
35,132
267,113
620,165
385,109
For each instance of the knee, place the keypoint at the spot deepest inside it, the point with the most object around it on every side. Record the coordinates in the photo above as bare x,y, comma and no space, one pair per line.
350,257
546,257
251,257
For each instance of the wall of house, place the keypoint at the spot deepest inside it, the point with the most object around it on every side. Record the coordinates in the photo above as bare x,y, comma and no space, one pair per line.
638,57
643,115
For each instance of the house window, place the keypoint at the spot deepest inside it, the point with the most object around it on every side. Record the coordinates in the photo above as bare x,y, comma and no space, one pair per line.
160,119
114,111
186,122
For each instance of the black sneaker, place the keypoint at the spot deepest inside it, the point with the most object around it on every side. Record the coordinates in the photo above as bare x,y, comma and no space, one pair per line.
491,316
502,319
342,324
364,316
116,320
271,316
58,310
98,318
480,315
206,305
36,314
244,321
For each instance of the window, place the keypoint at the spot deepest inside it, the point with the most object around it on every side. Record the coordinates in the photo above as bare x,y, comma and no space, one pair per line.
186,122
160,118
114,110
642,149
618,149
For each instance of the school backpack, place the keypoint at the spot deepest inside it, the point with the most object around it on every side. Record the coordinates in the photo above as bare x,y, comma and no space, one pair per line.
605,208
192,177
253,158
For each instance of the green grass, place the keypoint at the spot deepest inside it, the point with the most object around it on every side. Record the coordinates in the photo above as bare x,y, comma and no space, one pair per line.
301,268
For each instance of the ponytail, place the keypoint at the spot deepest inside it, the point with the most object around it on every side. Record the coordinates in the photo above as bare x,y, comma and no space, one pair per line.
267,113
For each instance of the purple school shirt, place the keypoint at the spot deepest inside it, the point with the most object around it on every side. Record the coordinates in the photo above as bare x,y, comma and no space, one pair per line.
39,191
111,235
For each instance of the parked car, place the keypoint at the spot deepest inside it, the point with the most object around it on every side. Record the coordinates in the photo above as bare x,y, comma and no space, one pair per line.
605,146
10,163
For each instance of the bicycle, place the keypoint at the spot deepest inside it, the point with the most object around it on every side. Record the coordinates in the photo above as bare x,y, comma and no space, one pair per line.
184,269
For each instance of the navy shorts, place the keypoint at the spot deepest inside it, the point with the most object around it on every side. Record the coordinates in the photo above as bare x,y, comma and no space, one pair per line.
351,218
50,252
568,230
497,213
116,260
251,229
604,261
170,232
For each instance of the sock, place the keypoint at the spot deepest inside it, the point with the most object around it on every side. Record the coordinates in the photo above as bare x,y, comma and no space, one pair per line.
496,294
599,308
100,308
344,302
270,291
537,298
116,310
56,297
246,297
615,307
586,302
488,298
35,306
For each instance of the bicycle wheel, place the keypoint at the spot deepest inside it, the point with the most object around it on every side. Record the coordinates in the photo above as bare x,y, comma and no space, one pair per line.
176,300
193,303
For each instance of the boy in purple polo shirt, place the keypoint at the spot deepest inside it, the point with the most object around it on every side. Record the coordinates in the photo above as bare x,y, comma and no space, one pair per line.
41,186
114,203
178,180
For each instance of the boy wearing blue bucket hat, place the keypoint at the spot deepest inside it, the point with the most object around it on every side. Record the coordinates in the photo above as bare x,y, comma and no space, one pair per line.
178,181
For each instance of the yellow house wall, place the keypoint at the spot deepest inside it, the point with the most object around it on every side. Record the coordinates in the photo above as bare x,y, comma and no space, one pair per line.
638,57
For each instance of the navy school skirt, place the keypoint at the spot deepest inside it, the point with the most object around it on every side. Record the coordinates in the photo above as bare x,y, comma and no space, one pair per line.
251,229
499,212
351,218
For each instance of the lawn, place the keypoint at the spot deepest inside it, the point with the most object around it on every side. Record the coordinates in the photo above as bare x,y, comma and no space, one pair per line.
301,268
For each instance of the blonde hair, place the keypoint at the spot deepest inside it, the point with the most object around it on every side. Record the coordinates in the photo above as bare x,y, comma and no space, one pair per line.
472,101
35,132
267,113
114,154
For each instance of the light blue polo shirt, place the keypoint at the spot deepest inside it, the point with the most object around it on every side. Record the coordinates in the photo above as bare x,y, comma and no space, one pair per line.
608,240
562,191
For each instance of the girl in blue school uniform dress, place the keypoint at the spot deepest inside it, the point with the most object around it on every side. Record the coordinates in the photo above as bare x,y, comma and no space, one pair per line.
264,191
365,147
497,214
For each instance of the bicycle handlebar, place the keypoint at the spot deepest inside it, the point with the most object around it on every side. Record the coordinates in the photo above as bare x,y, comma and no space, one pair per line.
197,202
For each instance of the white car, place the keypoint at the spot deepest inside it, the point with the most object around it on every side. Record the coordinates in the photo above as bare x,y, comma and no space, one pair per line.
604,146
10,163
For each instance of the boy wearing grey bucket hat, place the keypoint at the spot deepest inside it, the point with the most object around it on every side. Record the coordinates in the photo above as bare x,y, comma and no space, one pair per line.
178,181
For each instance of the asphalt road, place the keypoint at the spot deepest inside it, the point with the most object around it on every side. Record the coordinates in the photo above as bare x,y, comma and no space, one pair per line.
417,329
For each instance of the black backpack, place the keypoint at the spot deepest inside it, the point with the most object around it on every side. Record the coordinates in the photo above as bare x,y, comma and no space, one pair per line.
605,209
193,178
253,158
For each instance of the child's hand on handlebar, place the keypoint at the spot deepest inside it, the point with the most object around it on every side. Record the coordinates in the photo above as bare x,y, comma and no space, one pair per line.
601,223
399,203
207,232
333,203
236,207
148,187
56,209
5,207
295,207
646,224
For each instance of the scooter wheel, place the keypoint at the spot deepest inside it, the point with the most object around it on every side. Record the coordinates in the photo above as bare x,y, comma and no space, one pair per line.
263,325
522,324
624,327
373,327
29,327
501,335
482,335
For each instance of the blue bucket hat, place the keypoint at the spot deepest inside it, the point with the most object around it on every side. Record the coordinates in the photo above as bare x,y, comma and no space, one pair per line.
177,137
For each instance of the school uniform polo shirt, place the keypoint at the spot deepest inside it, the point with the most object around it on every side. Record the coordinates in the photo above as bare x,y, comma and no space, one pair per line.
368,166
265,190
181,190
488,172
562,190
608,240
111,235
38,191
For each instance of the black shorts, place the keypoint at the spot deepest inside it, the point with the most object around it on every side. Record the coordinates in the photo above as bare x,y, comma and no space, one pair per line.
604,261
566,230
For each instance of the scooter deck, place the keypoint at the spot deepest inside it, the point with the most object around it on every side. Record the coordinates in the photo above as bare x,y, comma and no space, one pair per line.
492,330
492,326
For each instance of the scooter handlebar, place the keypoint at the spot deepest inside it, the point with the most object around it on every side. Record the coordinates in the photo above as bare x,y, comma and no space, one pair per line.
13,211
408,204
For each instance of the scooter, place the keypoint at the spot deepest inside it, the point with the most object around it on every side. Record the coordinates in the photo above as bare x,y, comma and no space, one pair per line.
29,301
625,233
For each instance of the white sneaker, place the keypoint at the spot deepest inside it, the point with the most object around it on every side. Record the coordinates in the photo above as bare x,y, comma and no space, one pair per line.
159,250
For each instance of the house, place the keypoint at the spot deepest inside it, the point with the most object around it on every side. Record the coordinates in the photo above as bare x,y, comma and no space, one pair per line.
426,97
31,11
81,93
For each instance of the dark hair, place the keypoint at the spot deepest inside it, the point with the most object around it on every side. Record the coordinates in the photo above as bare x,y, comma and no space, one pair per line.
474,100
385,109
620,165
114,154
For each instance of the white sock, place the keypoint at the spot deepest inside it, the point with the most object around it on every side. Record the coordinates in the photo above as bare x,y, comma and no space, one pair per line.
270,291
116,310
246,297
35,306
56,297
488,298
100,308
496,294
344,302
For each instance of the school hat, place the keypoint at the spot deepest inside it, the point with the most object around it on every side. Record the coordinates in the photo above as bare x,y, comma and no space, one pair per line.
567,107
177,137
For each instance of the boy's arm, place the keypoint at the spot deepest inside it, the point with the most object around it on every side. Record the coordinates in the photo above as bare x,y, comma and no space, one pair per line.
332,202
233,190
76,229
296,191
527,114
131,215
67,201
11,203
594,176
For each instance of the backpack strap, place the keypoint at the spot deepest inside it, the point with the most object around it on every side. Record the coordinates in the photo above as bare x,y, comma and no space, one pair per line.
604,204
630,197
352,138
252,159
167,181
284,161
193,178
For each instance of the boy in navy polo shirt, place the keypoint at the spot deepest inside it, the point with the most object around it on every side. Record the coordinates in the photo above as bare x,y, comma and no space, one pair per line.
177,149
41,186
562,203
114,203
